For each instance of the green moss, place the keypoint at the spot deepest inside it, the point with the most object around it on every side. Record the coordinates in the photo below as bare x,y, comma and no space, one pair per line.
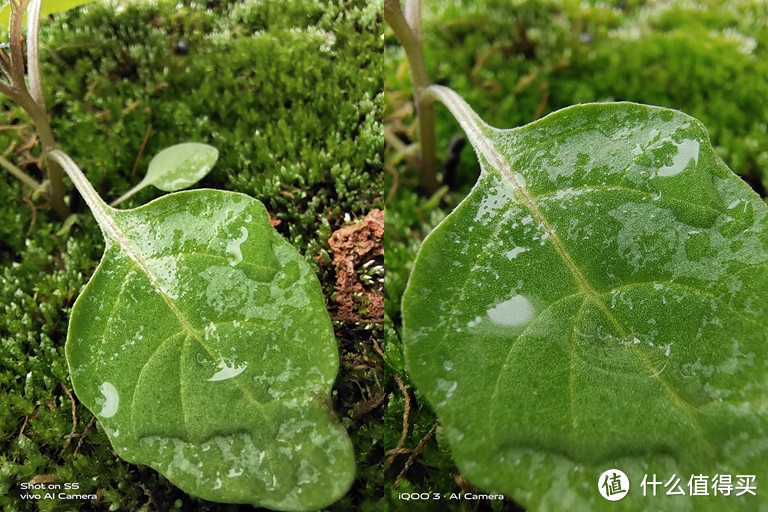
290,94
286,93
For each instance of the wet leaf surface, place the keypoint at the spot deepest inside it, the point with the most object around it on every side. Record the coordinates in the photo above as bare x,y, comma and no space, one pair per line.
203,346
598,301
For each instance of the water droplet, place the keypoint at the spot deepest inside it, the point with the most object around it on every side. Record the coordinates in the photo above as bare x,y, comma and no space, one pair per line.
687,151
227,372
233,473
514,252
512,313
234,255
111,400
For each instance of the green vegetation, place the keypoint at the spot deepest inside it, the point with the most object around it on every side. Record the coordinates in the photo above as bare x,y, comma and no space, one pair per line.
592,304
289,94
515,62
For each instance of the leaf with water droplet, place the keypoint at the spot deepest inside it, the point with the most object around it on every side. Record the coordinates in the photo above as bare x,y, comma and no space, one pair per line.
598,301
176,167
203,346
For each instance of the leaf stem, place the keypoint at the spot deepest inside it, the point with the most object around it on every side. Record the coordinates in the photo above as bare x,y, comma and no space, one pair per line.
412,13
33,54
139,186
101,211
473,125
410,37
19,174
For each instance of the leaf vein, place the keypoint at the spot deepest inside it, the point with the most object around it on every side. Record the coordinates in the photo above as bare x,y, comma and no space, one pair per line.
487,151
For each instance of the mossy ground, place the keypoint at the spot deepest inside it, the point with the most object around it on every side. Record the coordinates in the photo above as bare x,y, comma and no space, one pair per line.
290,92
515,62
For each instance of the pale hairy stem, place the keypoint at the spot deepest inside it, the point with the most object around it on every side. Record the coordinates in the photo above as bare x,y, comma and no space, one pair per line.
96,204
33,54
413,17
414,51
137,188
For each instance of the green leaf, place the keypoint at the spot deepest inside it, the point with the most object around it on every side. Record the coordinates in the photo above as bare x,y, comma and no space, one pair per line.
49,7
598,301
203,346
176,167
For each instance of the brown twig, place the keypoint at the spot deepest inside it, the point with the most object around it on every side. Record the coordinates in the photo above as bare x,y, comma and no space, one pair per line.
82,436
17,55
7,90
148,494
543,103
74,420
5,62
388,169
406,413
415,453
371,403
23,426
406,420
33,209
141,151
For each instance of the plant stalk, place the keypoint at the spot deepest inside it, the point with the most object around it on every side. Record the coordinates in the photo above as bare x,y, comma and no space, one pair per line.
101,211
16,54
474,127
33,54
137,188
43,128
31,99
412,13
19,174
410,38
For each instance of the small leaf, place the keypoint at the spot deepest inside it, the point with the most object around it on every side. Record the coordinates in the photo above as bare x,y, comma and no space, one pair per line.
598,301
203,346
176,168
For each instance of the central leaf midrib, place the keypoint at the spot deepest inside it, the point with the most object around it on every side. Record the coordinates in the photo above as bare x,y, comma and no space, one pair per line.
491,152
120,237
488,151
